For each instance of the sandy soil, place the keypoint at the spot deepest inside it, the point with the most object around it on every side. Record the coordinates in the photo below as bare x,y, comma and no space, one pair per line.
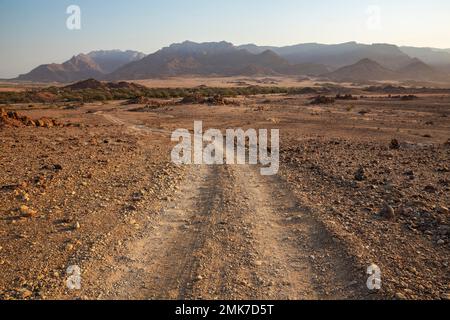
108,199
188,82
192,81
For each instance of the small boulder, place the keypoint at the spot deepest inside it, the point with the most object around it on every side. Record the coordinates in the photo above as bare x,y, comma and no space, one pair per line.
360,174
400,296
387,211
447,143
25,293
430,189
394,145
443,210
25,211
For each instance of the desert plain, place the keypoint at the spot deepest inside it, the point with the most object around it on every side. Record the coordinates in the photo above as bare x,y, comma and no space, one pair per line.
364,179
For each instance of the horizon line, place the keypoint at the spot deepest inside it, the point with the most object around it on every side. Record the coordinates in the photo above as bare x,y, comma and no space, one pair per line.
264,45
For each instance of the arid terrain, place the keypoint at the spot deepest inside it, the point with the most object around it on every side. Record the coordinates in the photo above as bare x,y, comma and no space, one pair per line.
363,180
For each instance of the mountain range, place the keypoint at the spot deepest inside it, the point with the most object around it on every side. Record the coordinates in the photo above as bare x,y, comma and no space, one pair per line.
95,64
367,69
349,61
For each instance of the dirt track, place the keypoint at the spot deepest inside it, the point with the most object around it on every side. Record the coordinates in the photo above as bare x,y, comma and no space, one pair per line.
228,233
151,230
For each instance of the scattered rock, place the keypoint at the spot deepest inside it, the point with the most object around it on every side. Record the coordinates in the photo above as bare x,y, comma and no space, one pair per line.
447,143
216,100
23,196
258,263
387,211
394,145
27,212
25,293
131,207
360,174
430,189
199,278
400,296
443,210
405,211
13,118
137,196
443,169
409,173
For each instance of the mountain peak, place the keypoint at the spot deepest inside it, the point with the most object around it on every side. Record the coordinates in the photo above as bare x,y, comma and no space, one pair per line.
82,66
418,69
82,60
269,53
367,61
365,69
210,58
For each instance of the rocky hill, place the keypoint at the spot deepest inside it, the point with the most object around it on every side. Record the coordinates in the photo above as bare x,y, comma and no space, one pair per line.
83,66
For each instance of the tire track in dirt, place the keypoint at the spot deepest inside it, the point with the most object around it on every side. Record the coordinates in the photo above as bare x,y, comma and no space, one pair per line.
298,257
231,233
132,127
261,244
160,264
283,267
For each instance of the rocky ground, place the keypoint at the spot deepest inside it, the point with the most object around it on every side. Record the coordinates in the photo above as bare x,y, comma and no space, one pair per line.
361,181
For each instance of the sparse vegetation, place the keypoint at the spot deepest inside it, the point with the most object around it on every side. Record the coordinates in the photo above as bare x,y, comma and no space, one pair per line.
322,100
108,92
408,97
345,97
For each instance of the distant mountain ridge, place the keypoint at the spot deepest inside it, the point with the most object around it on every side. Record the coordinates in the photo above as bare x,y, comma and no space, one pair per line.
340,55
111,60
350,61
95,64
189,58
431,56
362,70
366,69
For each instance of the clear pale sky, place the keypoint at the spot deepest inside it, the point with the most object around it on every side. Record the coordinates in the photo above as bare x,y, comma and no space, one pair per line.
34,32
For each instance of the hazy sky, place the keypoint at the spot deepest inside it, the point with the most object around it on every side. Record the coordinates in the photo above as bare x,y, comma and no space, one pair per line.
34,32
